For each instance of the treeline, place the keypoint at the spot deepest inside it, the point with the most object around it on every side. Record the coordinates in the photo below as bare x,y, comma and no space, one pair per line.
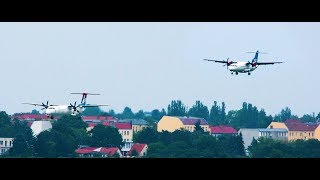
249,116
186,144
270,148
67,134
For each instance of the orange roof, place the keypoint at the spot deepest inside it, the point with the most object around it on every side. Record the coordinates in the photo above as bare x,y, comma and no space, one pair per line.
138,147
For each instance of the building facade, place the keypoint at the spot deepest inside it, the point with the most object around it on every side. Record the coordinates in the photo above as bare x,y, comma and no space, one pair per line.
172,123
5,145
298,130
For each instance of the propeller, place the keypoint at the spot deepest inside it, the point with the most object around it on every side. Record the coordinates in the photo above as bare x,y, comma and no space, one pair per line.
45,106
74,107
228,63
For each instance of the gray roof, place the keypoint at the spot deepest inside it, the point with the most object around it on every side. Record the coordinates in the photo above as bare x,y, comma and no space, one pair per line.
135,121
273,130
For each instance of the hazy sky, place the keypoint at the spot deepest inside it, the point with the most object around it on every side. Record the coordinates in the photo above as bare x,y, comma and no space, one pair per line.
146,65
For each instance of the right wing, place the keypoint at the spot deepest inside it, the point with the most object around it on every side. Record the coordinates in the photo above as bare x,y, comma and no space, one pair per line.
33,104
217,61
39,104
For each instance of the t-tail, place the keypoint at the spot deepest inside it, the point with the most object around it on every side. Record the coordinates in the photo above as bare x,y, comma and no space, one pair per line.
255,59
84,97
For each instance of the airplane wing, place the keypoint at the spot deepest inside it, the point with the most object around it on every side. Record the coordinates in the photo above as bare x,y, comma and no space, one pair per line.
267,63
39,104
33,104
226,62
93,105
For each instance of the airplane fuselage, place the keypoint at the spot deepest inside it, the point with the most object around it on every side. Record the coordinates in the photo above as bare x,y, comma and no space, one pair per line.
63,109
241,67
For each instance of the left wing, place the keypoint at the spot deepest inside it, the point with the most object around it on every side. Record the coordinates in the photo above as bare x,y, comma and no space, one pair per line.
267,63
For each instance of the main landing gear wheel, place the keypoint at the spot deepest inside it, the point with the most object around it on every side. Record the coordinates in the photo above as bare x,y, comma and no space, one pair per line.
249,73
236,73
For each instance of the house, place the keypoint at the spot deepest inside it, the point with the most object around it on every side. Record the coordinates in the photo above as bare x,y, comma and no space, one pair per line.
39,126
249,133
97,119
298,130
98,152
137,124
274,133
5,145
125,129
222,130
140,149
172,123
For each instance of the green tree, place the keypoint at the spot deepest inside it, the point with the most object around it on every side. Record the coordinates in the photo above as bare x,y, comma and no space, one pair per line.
127,113
34,111
223,113
45,145
139,114
308,118
134,153
215,114
146,136
177,108
199,110
105,136
156,114
198,128
92,111
20,148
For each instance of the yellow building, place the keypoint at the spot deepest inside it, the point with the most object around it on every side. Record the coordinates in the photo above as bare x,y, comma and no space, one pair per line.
172,123
137,124
298,130
125,129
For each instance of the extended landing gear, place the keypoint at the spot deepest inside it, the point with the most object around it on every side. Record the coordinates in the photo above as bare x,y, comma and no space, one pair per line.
236,73
249,73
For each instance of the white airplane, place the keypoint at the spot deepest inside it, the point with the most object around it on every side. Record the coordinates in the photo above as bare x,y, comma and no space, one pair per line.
244,67
72,109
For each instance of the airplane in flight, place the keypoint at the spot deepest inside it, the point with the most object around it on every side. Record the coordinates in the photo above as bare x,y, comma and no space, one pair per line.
243,67
72,109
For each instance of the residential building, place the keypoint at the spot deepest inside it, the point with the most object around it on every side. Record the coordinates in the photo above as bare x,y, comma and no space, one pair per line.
98,152
222,130
274,133
5,145
141,149
298,130
39,126
248,134
125,129
137,124
172,123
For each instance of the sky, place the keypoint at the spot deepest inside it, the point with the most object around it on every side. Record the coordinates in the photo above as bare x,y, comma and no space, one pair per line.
146,65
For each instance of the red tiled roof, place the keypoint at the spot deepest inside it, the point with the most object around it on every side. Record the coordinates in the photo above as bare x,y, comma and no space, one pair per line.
192,121
92,124
123,125
109,151
30,116
138,147
29,124
222,130
85,150
292,121
107,123
97,118
301,127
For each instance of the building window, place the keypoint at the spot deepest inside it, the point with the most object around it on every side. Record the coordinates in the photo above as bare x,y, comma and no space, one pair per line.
5,143
10,143
1,142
